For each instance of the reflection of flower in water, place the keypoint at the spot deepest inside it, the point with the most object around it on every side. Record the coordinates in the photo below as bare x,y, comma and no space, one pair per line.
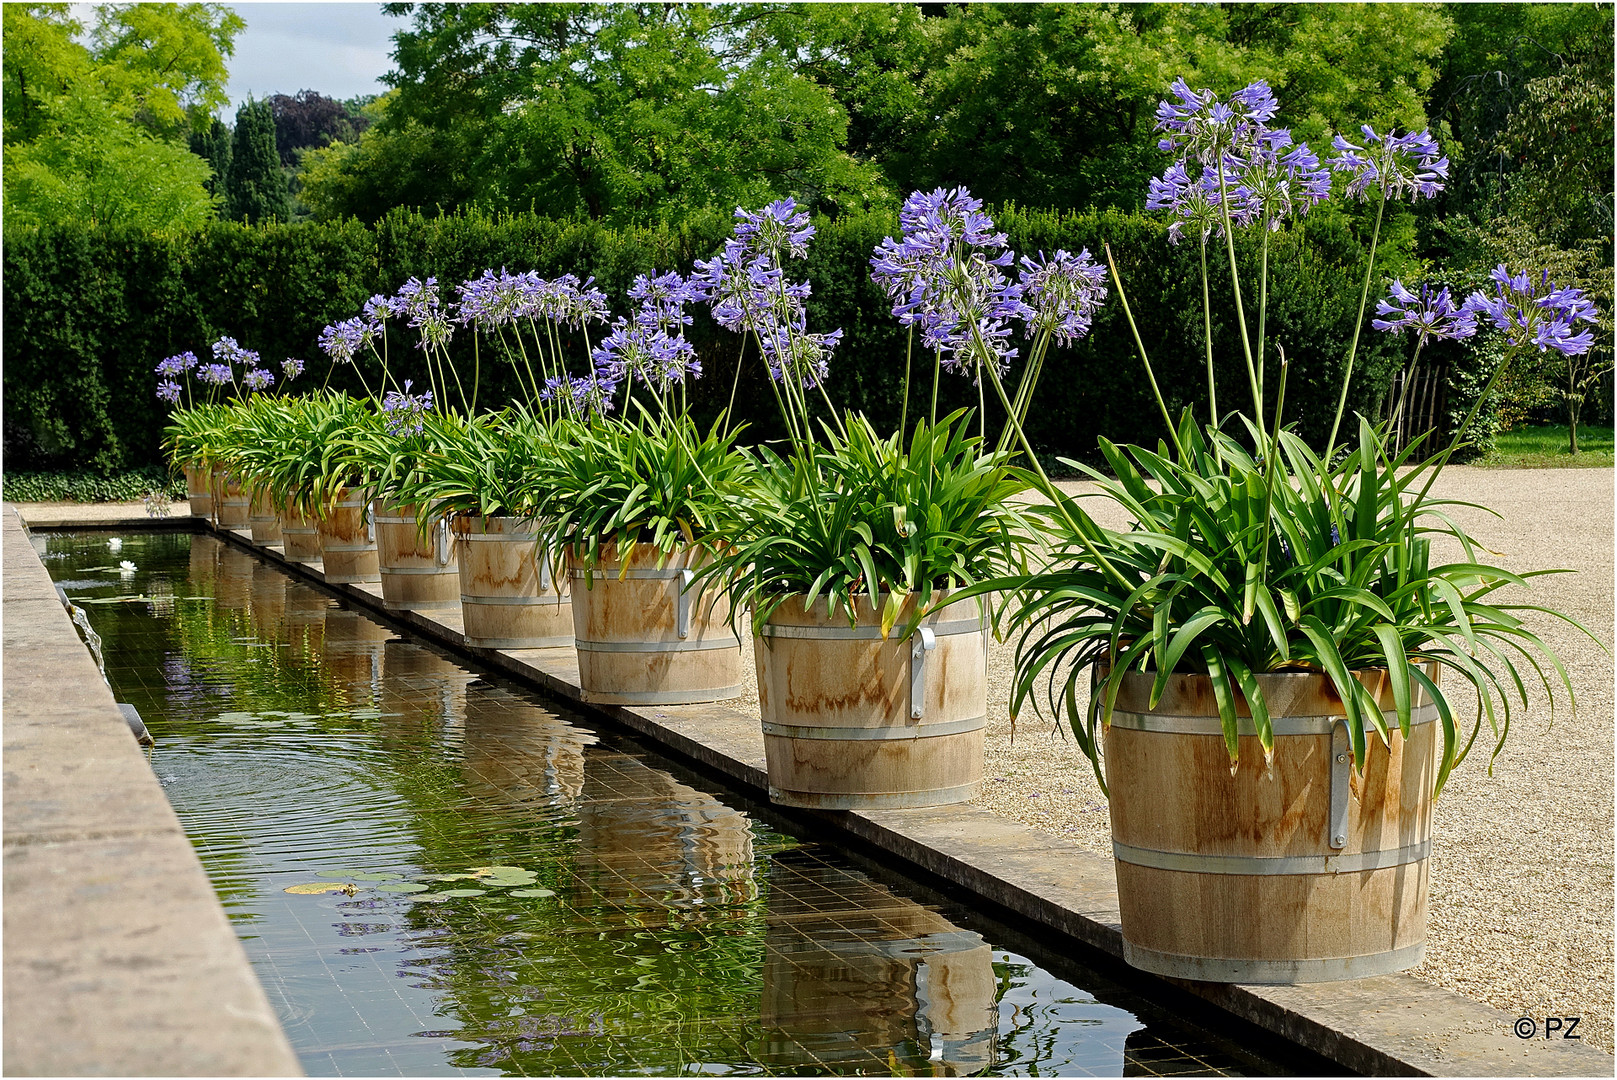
126,569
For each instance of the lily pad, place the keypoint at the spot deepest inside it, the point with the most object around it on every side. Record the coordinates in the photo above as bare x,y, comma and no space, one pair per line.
497,871
465,892
346,875
375,875
507,882
540,893
403,887
312,888
430,897
448,877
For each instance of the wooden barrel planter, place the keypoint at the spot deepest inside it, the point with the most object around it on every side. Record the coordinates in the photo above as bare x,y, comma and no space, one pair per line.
348,541
509,595
230,503
855,722
646,636
300,538
262,519
416,573
199,489
1303,872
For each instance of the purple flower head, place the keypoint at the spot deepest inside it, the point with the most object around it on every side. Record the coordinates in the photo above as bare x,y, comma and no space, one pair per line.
662,300
377,310
489,301
647,354
258,378
418,302
778,229
342,340
292,367
1536,314
792,350
178,364
1062,293
1194,202
1198,125
580,302
168,390
582,397
1432,316
406,412
943,282
226,351
215,374
1392,164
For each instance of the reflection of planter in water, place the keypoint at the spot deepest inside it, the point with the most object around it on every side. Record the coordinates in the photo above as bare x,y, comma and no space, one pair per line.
419,687
854,722
199,490
416,573
268,599
233,578
508,596
853,973
300,538
645,637
229,501
353,648
1304,872
262,519
306,622
519,754
348,541
645,839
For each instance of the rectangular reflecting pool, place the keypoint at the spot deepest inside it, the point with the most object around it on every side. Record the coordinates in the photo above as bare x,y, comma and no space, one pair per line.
438,872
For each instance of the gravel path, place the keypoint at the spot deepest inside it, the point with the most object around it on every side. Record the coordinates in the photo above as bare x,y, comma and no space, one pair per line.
1521,873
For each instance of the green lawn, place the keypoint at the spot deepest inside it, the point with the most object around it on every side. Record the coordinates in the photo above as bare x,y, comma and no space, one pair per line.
1545,447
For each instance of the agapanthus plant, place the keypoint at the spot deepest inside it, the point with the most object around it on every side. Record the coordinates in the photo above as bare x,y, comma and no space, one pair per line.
524,315
1255,554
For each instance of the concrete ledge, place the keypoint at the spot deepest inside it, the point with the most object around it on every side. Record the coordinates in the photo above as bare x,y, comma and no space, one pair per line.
1389,1025
119,960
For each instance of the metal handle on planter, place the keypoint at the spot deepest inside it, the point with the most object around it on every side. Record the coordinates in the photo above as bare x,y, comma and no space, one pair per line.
370,523
682,612
1341,783
442,541
544,563
922,643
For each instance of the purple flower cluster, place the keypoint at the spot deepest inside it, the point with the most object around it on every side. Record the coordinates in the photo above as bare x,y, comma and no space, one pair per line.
168,390
1062,293
406,412
945,281
418,303
583,397
642,350
1391,164
177,365
494,300
1198,125
1532,313
227,352
258,378
341,340
747,288
1249,169
1536,313
1431,316
293,367
215,374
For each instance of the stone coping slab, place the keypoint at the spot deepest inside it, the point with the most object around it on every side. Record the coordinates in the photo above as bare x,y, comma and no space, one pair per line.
119,959
1385,1025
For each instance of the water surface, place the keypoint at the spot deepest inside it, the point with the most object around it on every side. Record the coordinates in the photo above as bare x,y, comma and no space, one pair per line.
482,884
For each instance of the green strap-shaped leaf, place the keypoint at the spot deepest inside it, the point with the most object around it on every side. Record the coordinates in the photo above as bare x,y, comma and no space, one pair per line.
1228,719
1392,649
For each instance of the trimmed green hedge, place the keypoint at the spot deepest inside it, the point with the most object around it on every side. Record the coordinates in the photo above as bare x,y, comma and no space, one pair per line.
89,313
131,486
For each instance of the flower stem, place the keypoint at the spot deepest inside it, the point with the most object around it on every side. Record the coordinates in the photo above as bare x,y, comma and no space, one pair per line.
1353,349
1173,432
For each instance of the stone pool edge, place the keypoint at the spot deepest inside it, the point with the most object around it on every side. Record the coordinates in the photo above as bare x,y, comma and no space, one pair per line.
1387,1025
118,958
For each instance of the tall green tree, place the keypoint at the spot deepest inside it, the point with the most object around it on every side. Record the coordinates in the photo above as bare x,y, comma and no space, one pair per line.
621,112
212,145
256,189
96,132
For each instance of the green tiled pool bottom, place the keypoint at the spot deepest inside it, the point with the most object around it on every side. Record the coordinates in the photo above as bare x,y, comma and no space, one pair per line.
479,883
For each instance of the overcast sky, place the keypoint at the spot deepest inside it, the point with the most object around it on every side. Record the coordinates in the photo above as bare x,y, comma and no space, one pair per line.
341,50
